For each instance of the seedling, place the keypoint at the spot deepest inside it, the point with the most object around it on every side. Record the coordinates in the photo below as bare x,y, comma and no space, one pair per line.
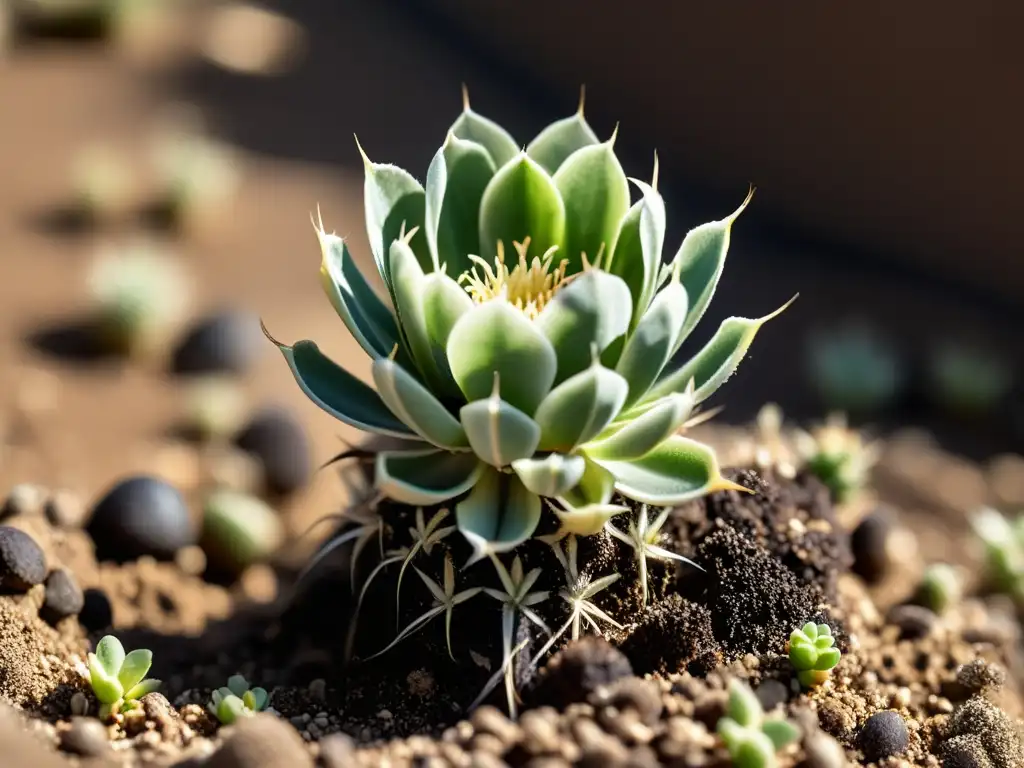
812,653
237,700
119,680
751,738
940,587
838,456
1004,551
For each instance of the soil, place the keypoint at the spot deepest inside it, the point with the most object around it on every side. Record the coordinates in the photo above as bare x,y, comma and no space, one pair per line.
73,422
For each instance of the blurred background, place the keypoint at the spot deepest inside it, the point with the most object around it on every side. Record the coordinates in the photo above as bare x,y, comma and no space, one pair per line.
159,163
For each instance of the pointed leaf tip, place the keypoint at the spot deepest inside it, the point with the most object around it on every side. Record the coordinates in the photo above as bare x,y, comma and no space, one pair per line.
583,99
367,163
654,175
742,207
465,98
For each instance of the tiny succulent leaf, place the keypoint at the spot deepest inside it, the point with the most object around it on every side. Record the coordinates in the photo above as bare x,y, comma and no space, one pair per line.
552,475
521,202
147,686
594,488
238,685
700,260
553,145
594,189
104,685
732,733
586,520
810,629
495,338
474,127
416,406
499,433
256,699
823,630
340,393
134,668
803,657
579,408
424,478
755,751
650,345
638,246
743,706
781,732
230,709
825,641
394,201
498,514
591,312
643,434
456,180
110,654
827,659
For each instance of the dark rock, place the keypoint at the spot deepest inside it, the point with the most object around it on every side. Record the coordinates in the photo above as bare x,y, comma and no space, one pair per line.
96,614
22,562
141,516
63,596
869,543
261,741
224,342
914,621
87,736
771,693
578,670
673,636
884,734
282,447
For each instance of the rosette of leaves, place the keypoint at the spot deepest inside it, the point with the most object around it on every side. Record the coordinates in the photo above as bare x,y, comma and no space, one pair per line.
812,653
236,700
751,738
838,456
528,349
119,679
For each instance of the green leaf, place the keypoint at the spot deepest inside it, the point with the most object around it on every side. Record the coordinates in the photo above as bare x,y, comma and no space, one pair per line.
552,475
258,700
110,654
591,312
594,489
732,733
444,302
498,515
827,659
823,630
520,202
147,686
340,393
423,478
230,709
587,520
456,180
416,406
495,338
636,257
579,408
650,345
810,630
755,751
135,666
472,126
553,145
104,685
364,314
802,657
824,641
677,471
743,705
238,685
594,189
781,732
718,360
642,435
394,201
700,259
499,433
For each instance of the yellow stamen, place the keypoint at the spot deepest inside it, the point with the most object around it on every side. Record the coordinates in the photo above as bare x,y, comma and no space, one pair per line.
528,286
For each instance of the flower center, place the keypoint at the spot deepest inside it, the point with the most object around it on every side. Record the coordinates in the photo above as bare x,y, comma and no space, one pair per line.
528,285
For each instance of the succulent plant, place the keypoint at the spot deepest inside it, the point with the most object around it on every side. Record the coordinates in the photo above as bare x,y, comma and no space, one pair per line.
1003,543
119,680
968,380
854,368
838,456
751,738
237,700
812,653
940,587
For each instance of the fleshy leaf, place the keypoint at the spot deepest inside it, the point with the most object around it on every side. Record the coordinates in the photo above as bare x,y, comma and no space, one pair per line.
423,478
110,654
718,360
587,520
594,488
416,405
579,408
104,685
495,338
803,657
594,189
238,685
456,181
676,471
732,733
367,318
498,515
560,139
700,259
499,433
552,475
520,202
472,126
592,311
781,732
230,709
147,686
756,749
827,659
340,393
744,706
638,245
134,668
650,345
444,302
642,435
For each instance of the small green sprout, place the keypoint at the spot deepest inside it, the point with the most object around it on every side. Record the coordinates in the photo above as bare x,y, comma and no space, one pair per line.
940,587
1003,541
237,700
838,456
119,680
752,739
812,653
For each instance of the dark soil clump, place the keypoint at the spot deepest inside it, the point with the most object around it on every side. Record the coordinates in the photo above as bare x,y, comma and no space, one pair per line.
673,636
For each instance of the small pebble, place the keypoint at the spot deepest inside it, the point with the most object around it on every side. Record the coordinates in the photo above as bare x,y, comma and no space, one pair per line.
771,693
261,741
65,509
280,443
63,596
914,621
822,751
869,543
24,499
141,516
337,751
239,530
96,614
22,563
884,734
86,736
224,342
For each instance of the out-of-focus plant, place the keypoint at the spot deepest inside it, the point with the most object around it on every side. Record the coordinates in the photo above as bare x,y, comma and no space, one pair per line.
967,380
751,738
838,456
940,587
236,700
1003,543
854,368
